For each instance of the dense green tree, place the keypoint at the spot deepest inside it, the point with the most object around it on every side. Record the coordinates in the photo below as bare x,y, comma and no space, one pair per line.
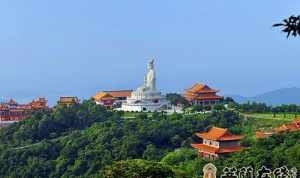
207,107
228,100
273,152
79,141
176,99
197,108
253,107
138,169
178,156
219,107
152,153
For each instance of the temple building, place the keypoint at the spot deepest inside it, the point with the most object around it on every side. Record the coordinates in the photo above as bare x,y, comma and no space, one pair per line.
12,111
113,98
39,103
146,98
68,100
293,126
289,127
120,96
217,142
201,94
263,134
104,99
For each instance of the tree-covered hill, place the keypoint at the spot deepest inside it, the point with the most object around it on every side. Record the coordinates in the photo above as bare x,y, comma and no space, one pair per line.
82,140
274,152
49,125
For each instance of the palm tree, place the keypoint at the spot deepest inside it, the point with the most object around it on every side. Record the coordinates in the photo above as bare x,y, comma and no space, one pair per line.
291,26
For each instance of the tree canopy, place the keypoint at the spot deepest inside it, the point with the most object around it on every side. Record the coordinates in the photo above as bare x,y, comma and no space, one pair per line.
138,169
83,140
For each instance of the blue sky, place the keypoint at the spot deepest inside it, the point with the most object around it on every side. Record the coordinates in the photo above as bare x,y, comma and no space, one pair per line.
71,47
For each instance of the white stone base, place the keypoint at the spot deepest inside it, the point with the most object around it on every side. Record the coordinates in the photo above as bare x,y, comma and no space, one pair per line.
142,107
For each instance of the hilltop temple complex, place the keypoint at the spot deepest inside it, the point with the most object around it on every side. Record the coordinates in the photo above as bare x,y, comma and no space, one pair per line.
217,142
12,111
201,94
146,97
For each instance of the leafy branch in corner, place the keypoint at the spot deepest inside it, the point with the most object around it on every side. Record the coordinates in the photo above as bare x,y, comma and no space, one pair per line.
291,26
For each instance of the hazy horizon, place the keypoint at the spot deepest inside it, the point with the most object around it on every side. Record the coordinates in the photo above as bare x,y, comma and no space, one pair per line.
54,48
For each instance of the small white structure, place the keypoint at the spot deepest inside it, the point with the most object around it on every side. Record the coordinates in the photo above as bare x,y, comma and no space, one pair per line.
146,98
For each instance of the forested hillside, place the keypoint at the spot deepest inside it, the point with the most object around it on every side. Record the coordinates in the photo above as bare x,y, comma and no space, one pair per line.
84,140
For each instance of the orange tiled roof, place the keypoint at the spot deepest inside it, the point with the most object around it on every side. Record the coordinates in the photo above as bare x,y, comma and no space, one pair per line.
287,127
68,99
205,148
119,93
281,128
103,96
201,92
297,122
13,105
4,107
40,99
211,149
292,126
229,136
39,103
260,134
198,88
220,134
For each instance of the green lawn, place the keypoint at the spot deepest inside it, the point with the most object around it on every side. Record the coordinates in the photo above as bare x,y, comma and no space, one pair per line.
266,121
270,116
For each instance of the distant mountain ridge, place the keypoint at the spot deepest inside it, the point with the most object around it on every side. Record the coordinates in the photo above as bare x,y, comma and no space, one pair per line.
275,97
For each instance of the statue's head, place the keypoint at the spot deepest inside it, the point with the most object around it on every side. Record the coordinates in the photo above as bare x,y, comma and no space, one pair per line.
151,64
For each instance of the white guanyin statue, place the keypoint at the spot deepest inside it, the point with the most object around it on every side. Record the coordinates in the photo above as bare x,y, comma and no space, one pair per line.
149,83
146,97
150,78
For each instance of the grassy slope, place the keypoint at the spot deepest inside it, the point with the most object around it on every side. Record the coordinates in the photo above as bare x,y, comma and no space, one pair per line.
269,116
263,121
